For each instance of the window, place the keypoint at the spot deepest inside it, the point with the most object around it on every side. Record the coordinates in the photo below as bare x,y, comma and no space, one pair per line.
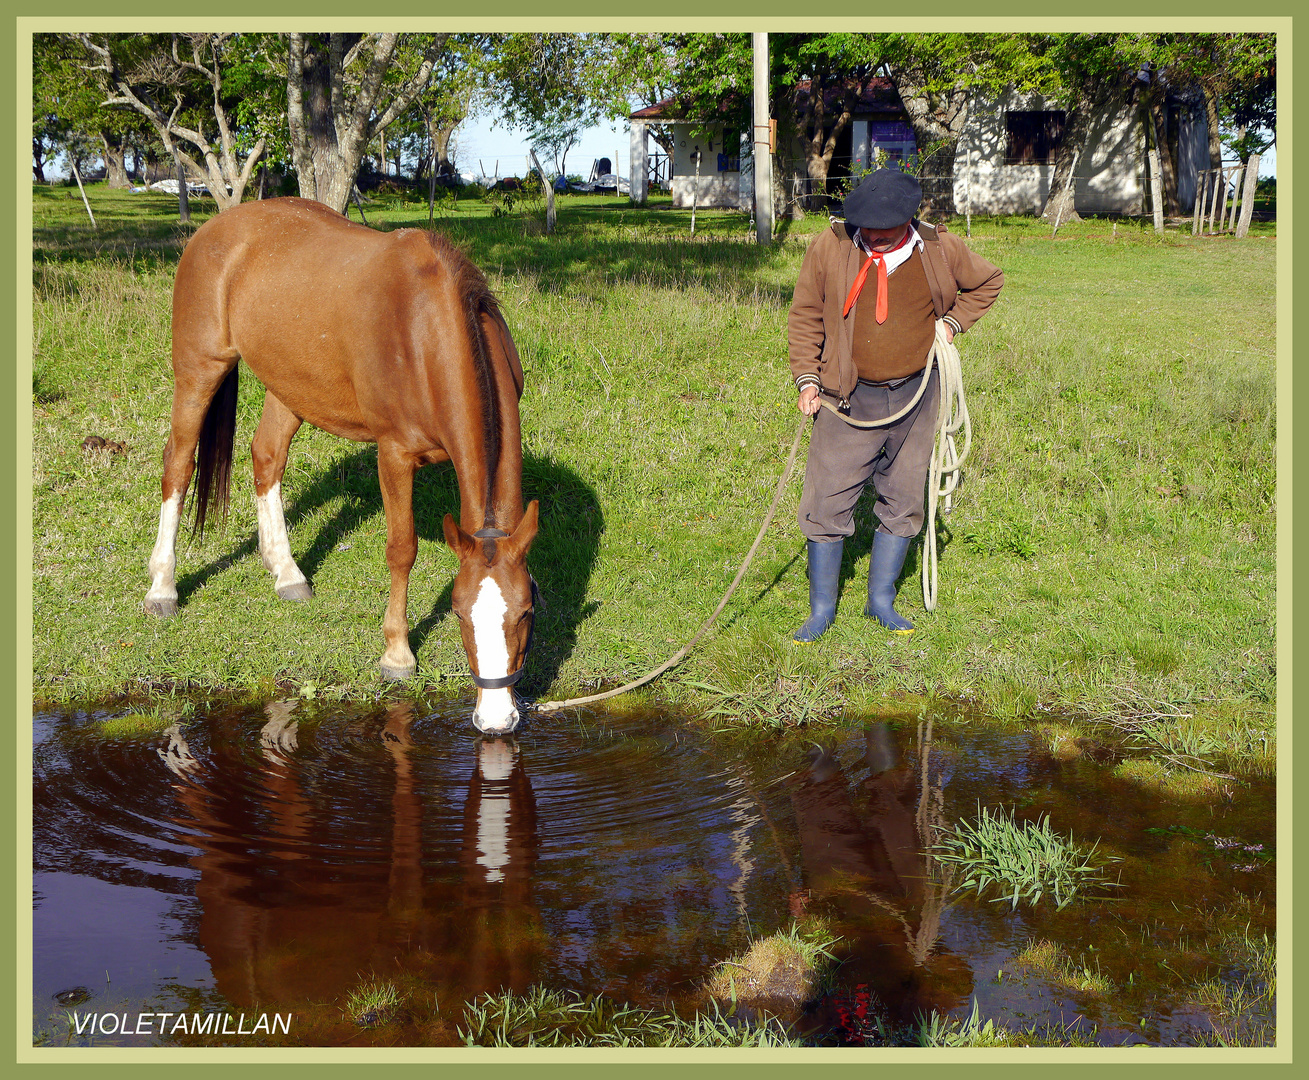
1033,137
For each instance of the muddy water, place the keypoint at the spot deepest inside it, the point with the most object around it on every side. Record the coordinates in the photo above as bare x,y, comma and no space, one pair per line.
265,861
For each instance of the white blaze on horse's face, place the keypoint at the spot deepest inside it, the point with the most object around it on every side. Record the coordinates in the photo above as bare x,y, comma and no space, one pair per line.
496,711
494,597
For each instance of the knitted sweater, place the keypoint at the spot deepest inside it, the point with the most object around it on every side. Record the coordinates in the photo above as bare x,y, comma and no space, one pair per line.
820,339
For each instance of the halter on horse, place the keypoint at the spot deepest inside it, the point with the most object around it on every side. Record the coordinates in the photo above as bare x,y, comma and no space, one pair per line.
392,338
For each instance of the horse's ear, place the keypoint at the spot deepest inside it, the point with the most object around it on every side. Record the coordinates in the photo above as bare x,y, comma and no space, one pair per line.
460,542
522,537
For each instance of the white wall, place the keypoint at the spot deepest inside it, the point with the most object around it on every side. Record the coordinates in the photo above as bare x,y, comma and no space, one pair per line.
713,188
1109,176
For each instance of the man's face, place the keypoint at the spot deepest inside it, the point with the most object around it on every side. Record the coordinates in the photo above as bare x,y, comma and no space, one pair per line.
884,239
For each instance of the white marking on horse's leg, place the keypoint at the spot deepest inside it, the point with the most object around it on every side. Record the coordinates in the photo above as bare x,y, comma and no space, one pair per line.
495,761
275,547
161,597
496,710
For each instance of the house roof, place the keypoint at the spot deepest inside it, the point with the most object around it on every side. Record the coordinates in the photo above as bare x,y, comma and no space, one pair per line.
672,110
877,94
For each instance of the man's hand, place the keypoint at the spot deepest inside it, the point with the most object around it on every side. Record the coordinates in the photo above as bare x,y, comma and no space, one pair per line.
808,403
949,332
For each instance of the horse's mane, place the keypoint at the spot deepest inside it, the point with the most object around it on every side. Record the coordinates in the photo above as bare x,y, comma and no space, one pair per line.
476,299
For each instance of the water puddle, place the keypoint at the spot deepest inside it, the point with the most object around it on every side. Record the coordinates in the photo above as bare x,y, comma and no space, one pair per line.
254,866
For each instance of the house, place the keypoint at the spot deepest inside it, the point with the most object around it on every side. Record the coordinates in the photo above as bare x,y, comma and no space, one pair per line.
1004,160
704,166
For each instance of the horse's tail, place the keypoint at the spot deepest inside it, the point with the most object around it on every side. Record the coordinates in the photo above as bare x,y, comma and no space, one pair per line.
213,474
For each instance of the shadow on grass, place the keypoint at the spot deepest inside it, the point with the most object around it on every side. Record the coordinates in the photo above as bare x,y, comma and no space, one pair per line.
562,557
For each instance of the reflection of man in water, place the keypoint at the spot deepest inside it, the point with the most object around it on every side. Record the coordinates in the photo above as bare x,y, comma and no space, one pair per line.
862,843
306,887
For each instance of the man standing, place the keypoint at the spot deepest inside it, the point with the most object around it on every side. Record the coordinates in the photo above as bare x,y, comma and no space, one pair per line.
860,330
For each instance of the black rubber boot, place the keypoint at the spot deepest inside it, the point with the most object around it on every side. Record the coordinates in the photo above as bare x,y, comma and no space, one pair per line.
887,561
824,582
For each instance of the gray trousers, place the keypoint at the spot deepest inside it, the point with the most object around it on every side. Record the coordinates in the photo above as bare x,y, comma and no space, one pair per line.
842,459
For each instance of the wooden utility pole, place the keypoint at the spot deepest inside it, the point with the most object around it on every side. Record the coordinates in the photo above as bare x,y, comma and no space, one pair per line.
763,144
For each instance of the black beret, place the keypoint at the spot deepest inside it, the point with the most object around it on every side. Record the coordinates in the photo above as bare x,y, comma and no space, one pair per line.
885,199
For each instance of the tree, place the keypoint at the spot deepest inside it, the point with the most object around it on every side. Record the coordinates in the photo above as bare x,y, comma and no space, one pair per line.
823,76
342,89
1094,73
176,82
68,110
1237,73
938,75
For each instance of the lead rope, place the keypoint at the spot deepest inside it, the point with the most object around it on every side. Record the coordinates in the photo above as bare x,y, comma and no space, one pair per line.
551,706
952,414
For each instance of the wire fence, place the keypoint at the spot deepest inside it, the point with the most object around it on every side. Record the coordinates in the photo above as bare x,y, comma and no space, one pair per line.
1223,200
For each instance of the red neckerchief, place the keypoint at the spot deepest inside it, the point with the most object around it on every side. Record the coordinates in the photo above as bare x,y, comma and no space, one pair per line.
880,258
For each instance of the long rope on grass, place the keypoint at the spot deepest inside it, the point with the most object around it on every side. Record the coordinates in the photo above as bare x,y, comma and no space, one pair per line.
944,466
952,415
551,706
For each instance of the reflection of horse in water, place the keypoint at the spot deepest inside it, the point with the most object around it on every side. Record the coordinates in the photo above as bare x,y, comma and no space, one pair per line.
291,914
863,844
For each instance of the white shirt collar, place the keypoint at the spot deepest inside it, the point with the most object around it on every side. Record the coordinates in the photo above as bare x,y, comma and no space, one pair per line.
895,258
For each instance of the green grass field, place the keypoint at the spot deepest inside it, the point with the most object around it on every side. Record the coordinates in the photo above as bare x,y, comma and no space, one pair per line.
1112,543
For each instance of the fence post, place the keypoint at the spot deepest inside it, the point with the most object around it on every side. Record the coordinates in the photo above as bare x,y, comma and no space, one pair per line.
1156,190
1213,202
1197,214
1247,206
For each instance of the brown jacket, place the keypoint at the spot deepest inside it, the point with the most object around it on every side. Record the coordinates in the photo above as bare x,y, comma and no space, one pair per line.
820,340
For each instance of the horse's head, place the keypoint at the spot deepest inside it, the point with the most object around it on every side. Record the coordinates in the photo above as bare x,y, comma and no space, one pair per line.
494,597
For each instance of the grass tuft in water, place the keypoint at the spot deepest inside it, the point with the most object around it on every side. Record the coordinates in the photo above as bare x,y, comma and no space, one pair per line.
373,1003
791,965
1046,958
138,724
1241,1002
1028,860
936,1030
544,1017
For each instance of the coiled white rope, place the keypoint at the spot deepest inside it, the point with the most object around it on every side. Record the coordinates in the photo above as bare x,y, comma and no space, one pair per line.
944,467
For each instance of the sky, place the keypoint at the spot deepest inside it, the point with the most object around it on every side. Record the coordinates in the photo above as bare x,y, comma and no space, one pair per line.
477,138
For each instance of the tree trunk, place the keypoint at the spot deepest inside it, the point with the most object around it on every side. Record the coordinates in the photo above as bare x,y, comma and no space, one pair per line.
38,160
329,130
441,136
1155,114
1211,122
330,175
114,152
819,131
938,123
183,199
1090,98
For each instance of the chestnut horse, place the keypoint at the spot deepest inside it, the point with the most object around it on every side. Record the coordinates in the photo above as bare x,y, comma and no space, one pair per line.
392,338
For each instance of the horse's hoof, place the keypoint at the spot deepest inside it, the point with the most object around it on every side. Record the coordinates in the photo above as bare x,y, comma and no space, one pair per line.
164,609
299,590
398,674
